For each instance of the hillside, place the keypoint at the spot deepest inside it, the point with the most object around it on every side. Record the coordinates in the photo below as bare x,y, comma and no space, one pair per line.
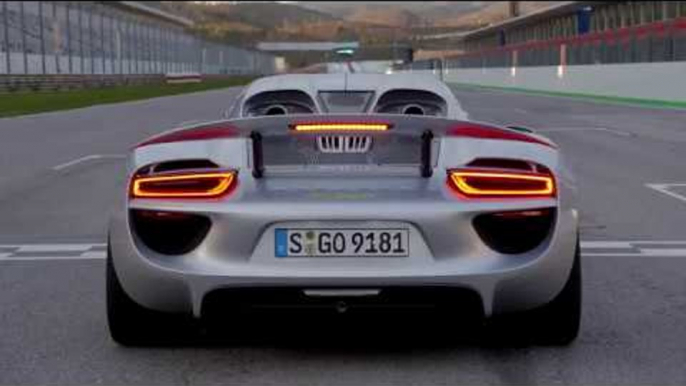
261,15
372,22
392,17
250,22
428,14
492,12
394,13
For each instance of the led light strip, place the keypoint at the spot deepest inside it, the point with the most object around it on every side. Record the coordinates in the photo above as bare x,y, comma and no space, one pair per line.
224,182
459,179
308,127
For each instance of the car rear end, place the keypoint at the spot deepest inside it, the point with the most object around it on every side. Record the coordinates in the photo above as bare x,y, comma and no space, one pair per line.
343,214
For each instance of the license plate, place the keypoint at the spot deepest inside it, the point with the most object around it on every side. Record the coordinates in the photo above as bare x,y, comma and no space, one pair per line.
341,242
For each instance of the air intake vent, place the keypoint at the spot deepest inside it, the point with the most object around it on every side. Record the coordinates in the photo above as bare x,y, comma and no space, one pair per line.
503,163
169,233
515,232
344,143
177,165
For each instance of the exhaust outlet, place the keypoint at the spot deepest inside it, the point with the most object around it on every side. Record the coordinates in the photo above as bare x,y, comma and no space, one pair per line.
341,307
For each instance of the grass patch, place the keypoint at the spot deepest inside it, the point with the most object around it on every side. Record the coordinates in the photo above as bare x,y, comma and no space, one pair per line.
20,103
585,97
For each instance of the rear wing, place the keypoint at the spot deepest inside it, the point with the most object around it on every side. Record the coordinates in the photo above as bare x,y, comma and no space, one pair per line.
335,123
419,130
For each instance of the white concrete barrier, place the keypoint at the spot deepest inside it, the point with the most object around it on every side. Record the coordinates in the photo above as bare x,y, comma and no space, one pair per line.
657,81
184,77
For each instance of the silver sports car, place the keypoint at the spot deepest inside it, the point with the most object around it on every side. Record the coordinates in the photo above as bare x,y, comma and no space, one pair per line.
345,193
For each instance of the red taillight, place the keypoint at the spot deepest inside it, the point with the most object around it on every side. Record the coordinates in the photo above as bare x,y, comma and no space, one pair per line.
335,127
475,183
186,185
486,132
193,134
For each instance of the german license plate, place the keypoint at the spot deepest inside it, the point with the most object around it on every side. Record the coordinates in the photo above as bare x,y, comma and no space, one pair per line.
290,242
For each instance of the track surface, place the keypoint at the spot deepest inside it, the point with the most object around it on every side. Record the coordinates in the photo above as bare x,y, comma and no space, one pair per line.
61,172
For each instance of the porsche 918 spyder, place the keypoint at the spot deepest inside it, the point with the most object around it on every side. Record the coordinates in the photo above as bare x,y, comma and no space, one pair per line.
345,193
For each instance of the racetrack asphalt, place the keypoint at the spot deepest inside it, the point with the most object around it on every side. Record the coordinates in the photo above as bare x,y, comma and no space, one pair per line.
62,171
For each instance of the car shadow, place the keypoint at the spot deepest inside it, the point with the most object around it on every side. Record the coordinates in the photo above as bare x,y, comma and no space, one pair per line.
351,334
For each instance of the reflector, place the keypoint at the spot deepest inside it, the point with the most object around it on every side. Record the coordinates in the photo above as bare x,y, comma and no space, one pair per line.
190,185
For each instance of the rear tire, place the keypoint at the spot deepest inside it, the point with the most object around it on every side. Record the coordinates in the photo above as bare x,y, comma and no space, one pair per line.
131,324
556,323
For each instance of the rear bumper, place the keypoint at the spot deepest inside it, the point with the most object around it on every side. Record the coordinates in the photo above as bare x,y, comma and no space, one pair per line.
277,303
503,283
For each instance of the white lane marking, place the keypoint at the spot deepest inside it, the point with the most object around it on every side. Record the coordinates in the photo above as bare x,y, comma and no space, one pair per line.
658,253
610,254
604,129
521,111
94,251
188,123
76,161
43,252
675,252
678,252
55,248
664,188
72,245
50,258
86,158
639,242
626,244
94,255
605,244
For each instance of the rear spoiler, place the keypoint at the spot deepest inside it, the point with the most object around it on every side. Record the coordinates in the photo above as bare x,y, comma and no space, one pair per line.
395,123
426,127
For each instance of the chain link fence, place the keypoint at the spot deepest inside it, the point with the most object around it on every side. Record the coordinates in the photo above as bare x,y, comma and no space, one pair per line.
110,38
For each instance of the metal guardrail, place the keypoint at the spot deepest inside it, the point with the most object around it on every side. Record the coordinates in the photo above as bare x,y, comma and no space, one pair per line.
52,83
18,83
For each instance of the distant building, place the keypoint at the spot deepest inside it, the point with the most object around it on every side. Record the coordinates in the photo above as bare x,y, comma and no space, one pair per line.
112,37
302,54
577,33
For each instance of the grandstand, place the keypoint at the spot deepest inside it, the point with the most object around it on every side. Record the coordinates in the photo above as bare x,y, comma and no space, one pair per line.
112,38
576,33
